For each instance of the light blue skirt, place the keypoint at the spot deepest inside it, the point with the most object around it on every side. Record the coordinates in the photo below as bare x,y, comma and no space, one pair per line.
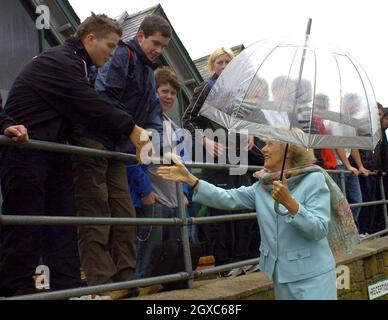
322,287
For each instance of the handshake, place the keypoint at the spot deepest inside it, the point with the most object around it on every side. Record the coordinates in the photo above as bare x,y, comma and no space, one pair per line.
141,140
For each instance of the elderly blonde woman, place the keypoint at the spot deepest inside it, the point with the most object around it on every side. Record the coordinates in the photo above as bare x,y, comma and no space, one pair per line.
295,250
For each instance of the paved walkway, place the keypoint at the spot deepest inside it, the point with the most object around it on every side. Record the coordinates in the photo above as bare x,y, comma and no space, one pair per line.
239,288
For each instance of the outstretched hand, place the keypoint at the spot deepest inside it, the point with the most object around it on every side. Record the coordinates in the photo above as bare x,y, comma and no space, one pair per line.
178,172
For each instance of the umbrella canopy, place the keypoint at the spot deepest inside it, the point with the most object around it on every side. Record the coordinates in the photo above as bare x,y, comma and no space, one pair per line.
274,85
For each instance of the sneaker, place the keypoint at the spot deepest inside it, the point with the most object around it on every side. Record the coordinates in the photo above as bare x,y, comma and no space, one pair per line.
364,235
245,269
222,274
234,273
122,294
92,297
251,269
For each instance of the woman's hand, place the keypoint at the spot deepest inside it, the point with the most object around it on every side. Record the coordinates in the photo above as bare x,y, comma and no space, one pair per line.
178,172
215,149
282,195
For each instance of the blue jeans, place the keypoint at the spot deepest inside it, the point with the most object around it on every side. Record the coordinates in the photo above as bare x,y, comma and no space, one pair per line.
151,236
353,190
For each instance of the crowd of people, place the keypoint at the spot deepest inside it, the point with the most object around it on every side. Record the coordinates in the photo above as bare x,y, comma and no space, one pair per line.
100,92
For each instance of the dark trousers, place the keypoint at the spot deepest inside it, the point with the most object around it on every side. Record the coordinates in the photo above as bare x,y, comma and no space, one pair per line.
369,193
150,237
37,183
108,253
231,241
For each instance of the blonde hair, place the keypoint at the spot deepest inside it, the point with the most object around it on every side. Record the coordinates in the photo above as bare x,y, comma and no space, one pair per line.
299,156
213,57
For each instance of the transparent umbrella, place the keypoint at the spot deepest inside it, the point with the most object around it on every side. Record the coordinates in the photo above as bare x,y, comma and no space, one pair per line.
276,85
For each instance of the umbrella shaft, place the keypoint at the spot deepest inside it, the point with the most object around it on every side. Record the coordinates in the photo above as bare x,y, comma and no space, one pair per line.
284,162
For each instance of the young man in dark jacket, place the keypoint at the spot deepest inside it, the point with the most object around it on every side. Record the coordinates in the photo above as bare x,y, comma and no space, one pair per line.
108,254
17,133
50,95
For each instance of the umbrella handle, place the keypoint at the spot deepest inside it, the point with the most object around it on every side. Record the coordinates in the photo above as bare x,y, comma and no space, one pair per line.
277,210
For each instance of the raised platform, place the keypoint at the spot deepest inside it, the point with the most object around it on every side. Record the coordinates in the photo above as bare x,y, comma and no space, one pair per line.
367,265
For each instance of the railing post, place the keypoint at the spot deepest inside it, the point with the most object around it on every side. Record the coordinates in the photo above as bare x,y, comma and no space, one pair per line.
343,184
382,190
185,234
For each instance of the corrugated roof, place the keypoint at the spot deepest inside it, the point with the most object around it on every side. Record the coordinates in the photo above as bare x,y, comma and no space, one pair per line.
202,62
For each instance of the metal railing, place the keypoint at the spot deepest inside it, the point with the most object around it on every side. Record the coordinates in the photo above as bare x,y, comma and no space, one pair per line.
182,221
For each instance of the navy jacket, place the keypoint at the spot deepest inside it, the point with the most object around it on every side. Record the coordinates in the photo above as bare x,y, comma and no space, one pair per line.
127,80
52,94
139,183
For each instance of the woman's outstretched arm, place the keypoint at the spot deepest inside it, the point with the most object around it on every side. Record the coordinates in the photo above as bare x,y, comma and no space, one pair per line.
206,193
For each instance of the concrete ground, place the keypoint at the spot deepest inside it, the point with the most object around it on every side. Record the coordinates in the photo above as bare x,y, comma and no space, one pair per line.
239,288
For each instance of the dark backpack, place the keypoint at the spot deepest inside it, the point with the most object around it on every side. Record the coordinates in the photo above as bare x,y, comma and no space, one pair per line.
167,258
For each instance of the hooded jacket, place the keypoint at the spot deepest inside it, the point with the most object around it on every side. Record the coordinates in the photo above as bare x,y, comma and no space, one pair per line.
52,94
127,81
5,121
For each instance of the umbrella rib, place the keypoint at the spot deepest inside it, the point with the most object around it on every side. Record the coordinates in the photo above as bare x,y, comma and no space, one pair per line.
288,76
374,97
366,75
250,83
340,86
314,91
366,94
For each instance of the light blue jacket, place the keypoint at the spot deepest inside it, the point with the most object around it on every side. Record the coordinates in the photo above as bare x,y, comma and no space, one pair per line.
296,246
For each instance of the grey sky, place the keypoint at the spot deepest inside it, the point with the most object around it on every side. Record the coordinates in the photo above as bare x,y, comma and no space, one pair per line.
204,25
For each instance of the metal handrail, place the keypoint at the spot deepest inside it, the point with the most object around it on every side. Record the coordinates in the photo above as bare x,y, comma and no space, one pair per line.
182,221
98,153
65,294
375,235
89,221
